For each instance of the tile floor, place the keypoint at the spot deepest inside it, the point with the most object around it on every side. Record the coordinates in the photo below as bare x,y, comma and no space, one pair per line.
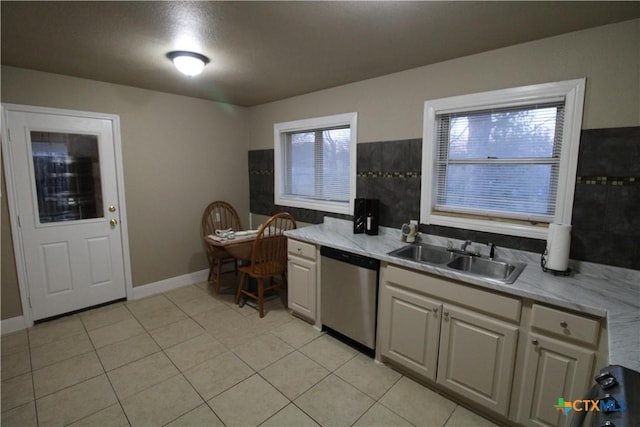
191,358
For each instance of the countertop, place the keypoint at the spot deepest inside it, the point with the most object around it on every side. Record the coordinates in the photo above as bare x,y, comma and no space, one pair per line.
598,290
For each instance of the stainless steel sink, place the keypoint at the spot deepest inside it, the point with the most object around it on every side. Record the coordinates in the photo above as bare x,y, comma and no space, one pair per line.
502,270
422,252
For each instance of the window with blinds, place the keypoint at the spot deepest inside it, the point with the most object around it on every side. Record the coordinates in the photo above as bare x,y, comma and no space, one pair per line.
315,163
500,162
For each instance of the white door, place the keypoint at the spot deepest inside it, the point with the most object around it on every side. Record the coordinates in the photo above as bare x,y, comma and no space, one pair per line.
64,176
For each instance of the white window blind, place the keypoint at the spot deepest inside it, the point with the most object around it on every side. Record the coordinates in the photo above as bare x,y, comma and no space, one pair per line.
500,162
317,164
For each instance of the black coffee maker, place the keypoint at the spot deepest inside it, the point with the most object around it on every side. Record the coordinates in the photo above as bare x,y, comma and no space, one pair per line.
366,214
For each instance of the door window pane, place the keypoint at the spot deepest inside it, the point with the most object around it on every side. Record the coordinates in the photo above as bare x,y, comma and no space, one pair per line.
67,176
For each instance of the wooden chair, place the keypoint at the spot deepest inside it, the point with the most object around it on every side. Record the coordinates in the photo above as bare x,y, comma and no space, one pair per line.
268,258
219,215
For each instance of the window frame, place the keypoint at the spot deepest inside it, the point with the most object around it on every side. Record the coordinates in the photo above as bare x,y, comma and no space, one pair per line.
573,93
280,131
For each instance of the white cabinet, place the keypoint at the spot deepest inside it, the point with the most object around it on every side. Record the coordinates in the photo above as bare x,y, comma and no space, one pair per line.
559,354
477,357
409,329
468,346
302,279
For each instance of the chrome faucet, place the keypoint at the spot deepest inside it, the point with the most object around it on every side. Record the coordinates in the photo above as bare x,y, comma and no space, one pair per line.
463,249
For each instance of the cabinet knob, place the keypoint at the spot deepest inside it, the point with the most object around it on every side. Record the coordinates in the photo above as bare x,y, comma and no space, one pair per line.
445,314
564,324
435,310
534,341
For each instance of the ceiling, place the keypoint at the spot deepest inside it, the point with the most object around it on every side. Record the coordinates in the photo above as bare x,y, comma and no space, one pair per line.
266,51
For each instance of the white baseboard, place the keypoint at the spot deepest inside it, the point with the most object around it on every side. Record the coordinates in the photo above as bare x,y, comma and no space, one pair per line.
12,325
169,284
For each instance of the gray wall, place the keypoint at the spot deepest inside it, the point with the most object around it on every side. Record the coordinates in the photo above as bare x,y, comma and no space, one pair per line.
390,108
390,114
179,153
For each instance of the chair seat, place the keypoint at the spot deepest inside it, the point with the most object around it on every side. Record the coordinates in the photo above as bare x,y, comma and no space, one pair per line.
264,269
268,258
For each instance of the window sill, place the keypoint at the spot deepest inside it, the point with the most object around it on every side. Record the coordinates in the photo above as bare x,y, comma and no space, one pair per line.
339,208
488,226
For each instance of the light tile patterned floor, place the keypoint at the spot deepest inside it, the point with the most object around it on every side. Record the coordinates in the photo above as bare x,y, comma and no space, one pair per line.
191,358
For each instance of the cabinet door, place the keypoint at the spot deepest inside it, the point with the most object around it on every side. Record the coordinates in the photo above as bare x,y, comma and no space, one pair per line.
302,287
409,329
477,357
553,369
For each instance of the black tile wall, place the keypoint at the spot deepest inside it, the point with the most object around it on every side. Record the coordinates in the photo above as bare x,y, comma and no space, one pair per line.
390,171
261,191
261,182
612,152
606,224
500,240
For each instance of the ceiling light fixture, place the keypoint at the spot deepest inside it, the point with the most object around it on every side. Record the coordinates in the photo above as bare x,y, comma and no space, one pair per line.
189,63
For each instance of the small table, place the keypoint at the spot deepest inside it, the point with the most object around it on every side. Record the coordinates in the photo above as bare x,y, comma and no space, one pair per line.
239,247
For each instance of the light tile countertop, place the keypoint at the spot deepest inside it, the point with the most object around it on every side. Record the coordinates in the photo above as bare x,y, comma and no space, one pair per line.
595,289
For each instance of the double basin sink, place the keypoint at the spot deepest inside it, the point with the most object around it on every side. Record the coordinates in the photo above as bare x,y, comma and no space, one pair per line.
501,270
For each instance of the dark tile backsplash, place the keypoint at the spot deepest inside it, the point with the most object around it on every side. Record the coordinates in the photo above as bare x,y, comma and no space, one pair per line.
606,220
390,171
261,191
613,152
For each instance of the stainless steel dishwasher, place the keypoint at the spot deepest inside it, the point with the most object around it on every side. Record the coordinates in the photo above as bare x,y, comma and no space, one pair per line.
349,294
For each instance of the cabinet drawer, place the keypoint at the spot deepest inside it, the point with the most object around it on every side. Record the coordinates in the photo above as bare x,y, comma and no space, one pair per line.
565,324
302,249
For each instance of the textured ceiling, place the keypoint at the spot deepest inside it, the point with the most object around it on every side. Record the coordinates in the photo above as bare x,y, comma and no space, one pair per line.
265,51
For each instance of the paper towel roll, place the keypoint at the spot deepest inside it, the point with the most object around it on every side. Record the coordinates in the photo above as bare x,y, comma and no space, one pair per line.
558,245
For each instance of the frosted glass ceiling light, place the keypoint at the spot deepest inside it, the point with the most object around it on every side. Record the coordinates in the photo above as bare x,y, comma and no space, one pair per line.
189,63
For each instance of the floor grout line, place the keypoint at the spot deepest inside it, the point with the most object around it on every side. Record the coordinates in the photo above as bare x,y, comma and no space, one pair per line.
175,301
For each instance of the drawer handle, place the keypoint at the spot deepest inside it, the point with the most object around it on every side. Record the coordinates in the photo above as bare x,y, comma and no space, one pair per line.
534,341
564,324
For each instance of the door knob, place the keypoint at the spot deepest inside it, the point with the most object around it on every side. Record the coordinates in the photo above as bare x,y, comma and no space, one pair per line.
113,222
112,208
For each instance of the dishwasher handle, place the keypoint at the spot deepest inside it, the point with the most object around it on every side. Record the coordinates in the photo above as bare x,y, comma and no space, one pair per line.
350,258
